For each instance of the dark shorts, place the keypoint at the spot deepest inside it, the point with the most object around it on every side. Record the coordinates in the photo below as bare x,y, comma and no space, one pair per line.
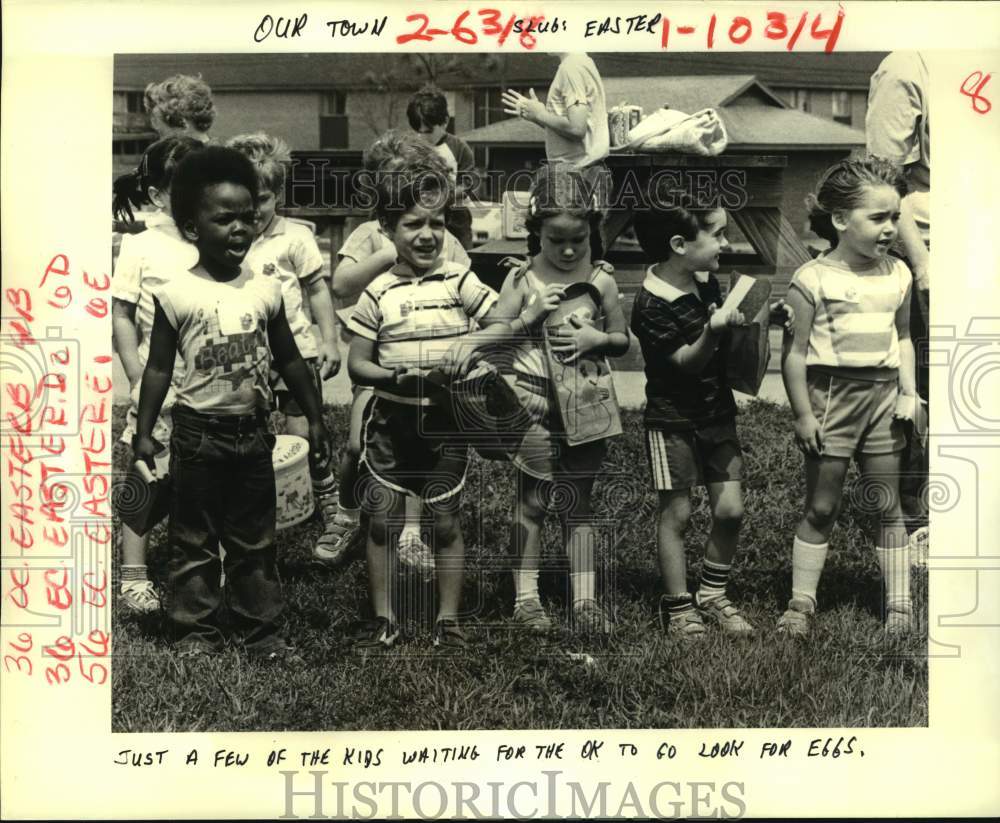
680,460
284,400
413,450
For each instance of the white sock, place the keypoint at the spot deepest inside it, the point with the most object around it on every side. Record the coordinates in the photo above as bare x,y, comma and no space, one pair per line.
895,565
525,585
807,566
583,586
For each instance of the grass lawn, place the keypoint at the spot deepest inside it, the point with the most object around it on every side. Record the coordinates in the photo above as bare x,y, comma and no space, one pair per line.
845,675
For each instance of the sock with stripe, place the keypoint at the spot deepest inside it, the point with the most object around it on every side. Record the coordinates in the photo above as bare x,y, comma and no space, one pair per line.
714,577
677,604
807,566
895,565
130,575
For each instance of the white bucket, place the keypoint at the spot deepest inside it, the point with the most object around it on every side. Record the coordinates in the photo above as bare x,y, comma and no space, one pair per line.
291,479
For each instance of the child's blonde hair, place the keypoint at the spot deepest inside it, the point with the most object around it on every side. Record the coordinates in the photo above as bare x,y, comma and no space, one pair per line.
180,100
270,155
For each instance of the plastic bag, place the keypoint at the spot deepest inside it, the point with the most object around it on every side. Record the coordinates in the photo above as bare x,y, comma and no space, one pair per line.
702,133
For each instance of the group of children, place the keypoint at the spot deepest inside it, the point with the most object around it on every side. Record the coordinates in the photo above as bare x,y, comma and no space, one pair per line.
210,325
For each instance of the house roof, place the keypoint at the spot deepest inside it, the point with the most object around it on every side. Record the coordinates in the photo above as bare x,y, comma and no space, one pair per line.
325,71
688,93
748,127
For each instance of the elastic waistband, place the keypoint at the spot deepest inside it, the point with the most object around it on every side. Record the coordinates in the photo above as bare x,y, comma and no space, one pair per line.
864,375
220,422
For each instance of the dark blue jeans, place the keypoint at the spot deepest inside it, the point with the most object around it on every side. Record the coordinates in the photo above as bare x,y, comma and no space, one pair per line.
224,492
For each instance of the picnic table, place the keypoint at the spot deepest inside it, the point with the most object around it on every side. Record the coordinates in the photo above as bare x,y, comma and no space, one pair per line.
777,249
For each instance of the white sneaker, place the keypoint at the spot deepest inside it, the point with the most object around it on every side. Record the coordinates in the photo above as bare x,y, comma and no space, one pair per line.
139,597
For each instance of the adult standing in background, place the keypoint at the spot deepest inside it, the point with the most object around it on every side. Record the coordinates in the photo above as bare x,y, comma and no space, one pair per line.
575,118
181,104
897,128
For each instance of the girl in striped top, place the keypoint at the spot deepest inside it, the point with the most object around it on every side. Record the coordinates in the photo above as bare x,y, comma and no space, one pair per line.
849,374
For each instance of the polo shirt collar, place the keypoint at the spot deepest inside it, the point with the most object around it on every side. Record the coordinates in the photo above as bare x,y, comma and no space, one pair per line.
276,227
660,288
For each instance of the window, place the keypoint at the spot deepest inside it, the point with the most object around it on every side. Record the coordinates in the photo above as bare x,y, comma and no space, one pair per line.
334,103
488,106
333,123
799,99
841,107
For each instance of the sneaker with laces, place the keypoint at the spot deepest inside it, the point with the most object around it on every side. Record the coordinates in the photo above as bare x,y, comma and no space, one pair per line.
448,635
899,620
531,615
722,611
139,597
339,536
797,619
416,554
379,633
589,617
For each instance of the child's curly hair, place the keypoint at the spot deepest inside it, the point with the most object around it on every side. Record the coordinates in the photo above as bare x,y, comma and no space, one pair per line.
207,167
560,189
842,188
270,156
181,99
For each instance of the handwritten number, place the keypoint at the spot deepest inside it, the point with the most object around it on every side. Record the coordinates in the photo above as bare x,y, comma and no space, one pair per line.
777,28
972,88
491,22
831,34
420,33
463,33
17,659
99,638
740,30
63,649
57,674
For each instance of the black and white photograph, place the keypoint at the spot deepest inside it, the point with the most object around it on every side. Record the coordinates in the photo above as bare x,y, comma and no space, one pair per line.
598,399
483,412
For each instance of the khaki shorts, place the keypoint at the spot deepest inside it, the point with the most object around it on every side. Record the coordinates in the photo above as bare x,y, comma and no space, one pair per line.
855,416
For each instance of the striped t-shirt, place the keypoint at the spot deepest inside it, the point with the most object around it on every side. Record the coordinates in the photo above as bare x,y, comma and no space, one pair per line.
855,312
415,319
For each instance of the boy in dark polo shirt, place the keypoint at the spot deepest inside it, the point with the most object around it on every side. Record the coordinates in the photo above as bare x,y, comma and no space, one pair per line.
690,413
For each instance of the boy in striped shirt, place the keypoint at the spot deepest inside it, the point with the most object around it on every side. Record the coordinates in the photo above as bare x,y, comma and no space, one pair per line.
417,318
